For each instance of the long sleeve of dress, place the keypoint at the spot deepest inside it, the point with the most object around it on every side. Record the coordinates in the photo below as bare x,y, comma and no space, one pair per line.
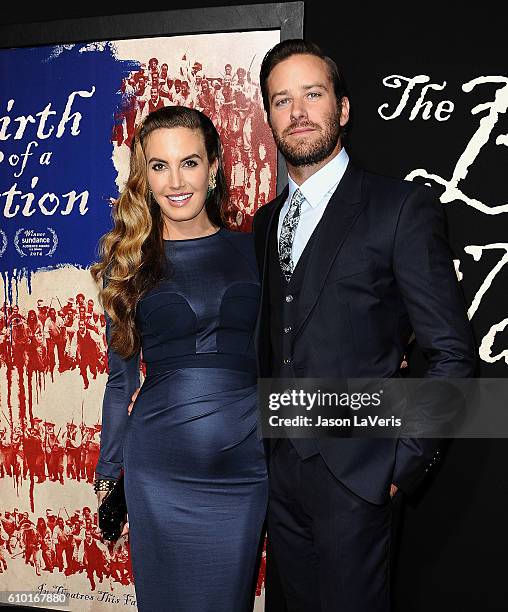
123,380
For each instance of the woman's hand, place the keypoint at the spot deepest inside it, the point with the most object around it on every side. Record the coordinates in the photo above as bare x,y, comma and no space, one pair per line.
101,496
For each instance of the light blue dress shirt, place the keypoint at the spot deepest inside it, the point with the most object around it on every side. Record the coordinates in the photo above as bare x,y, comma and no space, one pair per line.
317,190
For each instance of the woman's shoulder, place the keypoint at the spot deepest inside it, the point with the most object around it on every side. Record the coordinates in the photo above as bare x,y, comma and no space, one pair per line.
240,237
243,241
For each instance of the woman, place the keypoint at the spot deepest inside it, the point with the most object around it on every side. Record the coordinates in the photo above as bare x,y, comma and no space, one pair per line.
185,290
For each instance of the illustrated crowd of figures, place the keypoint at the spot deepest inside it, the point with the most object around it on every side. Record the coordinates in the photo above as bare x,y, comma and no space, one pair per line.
39,343
70,544
233,102
54,337
60,542
45,454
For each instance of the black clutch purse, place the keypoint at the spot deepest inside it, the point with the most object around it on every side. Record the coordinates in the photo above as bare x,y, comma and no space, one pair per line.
112,512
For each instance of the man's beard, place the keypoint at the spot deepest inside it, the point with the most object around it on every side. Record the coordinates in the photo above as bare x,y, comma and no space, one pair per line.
306,153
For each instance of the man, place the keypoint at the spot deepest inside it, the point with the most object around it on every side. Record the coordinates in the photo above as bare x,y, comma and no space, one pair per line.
205,101
164,73
30,544
20,338
351,264
18,453
225,99
178,86
42,311
54,332
9,526
85,349
50,519
34,454
91,444
155,101
5,454
94,555
54,450
263,175
185,97
61,538
153,64
73,451
243,93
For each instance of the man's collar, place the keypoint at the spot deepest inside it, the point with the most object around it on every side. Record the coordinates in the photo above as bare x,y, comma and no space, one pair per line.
324,181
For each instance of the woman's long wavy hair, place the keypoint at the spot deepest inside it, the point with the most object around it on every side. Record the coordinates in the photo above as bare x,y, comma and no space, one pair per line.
132,258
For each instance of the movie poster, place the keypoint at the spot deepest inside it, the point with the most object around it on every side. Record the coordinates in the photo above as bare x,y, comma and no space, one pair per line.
67,119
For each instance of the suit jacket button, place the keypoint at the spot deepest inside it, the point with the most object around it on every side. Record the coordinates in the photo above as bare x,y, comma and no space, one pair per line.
289,298
286,361
287,329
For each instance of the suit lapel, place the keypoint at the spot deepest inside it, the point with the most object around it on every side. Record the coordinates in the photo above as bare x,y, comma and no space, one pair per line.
340,214
273,216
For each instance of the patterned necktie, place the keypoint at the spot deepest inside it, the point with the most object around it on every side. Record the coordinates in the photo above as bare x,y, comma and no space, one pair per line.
287,234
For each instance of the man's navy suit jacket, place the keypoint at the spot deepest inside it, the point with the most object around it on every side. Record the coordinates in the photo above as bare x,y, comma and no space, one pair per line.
380,268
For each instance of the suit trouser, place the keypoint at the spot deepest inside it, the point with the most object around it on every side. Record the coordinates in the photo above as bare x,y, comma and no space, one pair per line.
331,546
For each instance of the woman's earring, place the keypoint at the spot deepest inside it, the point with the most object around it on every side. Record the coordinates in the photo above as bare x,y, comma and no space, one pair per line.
212,183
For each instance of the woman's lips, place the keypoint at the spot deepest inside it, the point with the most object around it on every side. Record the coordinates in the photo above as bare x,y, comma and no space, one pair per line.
179,199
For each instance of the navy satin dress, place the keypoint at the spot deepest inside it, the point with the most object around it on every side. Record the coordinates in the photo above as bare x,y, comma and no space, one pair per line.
195,472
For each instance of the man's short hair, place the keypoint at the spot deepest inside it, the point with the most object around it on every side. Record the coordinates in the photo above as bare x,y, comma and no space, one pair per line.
298,46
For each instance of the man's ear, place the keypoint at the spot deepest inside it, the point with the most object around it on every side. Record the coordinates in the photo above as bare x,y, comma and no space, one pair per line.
344,111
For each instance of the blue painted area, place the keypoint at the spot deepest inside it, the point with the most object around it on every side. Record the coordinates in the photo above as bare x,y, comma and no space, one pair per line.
34,78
